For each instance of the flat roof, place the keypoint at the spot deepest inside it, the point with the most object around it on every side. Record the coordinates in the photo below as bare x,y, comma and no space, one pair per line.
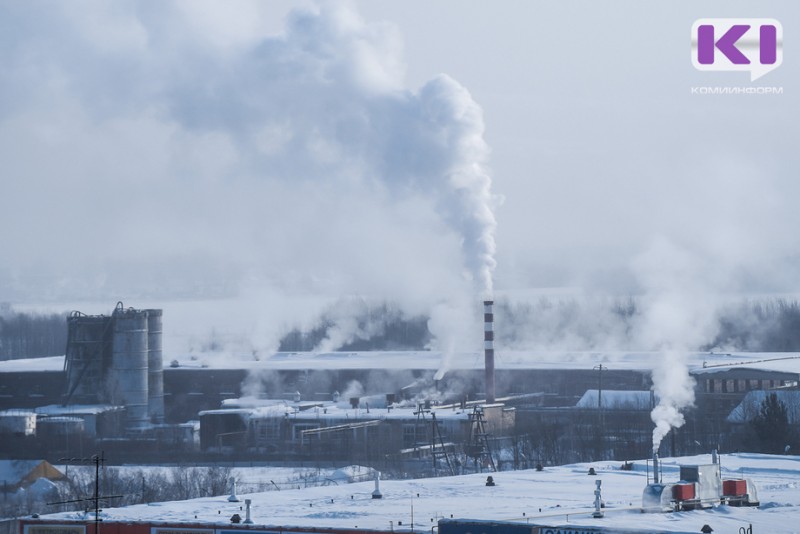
697,362
554,496
77,409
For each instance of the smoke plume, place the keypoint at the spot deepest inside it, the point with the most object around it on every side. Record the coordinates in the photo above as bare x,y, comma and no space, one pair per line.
354,389
224,155
464,194
678,316
674,389
456,329
347,320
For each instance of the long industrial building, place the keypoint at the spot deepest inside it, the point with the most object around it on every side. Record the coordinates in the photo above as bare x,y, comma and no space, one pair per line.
113,389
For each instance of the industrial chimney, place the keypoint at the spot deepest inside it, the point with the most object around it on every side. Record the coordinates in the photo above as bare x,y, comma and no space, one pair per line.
488,348
656,474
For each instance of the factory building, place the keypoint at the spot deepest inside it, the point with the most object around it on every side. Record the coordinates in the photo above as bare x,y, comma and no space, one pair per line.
548,405
358,430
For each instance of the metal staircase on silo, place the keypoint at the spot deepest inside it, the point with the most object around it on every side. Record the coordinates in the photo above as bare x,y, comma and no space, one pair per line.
88,343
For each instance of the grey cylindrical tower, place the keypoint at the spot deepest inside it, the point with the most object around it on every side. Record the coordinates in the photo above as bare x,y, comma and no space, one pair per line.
488,348
155,367
129,364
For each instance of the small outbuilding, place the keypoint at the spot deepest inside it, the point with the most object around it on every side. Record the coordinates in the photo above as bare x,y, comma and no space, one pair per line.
16,474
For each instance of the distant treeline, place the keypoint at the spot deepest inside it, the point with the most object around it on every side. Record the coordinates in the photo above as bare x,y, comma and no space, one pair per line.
31,335
765,325
760,326
377,327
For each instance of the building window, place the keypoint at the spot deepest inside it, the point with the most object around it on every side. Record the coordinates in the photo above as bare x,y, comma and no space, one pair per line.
297,429
409,436
268,430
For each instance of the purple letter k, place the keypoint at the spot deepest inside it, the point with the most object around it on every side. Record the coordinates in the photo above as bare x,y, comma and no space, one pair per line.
726,44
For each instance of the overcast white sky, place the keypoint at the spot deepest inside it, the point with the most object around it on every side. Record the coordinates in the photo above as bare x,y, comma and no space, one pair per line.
600,149
157,150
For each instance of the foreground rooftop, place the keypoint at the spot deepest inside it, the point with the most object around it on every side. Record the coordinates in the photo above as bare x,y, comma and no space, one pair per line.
555,496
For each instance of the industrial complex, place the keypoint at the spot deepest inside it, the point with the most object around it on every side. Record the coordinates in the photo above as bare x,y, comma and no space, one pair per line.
514,415
112,391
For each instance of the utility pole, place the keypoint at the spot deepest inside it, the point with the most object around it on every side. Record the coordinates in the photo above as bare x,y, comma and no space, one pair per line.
97,460
600,386
600,418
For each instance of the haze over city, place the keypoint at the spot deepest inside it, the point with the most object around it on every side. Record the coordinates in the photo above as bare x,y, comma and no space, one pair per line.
413,238
286,155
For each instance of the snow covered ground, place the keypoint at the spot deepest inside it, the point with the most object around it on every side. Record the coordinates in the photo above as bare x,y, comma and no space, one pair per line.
555,496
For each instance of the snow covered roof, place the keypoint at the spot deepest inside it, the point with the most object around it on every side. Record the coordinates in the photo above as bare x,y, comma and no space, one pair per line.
428,360
52,363
343,412
750,406
360,414
782,362
226,411
555,496
252,402
431,360
698,363
76,409
617,400
17,413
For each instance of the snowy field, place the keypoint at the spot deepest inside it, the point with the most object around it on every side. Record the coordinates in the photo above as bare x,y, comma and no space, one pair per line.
248,479
555,496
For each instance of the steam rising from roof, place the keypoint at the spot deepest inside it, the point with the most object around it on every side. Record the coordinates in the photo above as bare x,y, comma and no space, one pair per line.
678,316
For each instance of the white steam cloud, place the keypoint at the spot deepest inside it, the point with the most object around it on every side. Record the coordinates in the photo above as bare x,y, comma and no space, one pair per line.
353,390
678,315
203,154
465,196
674,389
456,329
348,320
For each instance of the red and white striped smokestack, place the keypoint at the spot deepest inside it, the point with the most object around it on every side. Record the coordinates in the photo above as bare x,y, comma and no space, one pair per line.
488,348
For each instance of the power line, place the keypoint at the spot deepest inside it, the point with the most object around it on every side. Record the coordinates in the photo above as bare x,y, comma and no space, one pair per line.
97,460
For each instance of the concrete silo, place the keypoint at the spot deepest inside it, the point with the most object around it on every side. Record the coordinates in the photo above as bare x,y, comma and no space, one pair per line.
155,367
129,358
117,360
